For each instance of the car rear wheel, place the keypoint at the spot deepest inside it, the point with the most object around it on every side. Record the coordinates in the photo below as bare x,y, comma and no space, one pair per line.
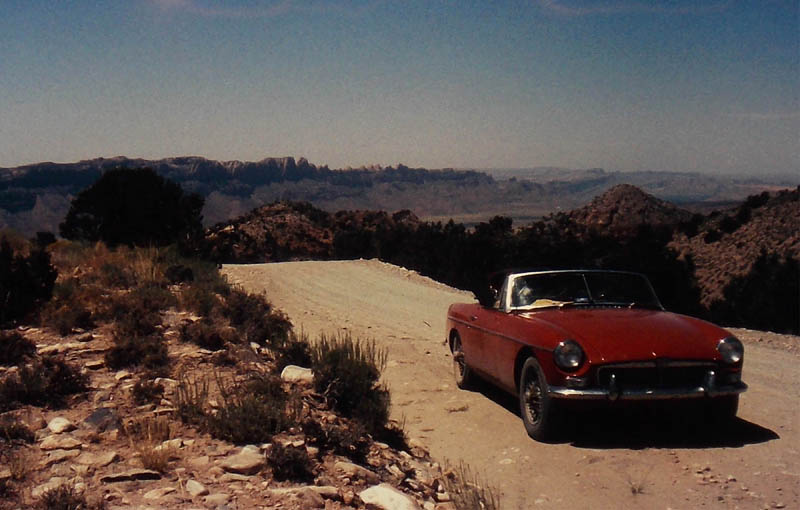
461,371
536,406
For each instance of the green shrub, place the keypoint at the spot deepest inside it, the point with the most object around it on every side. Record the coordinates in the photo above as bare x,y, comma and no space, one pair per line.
44,382
133,207
25,282
347,372
290,463
14,348
148,351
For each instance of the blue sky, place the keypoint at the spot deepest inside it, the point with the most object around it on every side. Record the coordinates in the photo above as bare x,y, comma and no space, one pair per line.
709,86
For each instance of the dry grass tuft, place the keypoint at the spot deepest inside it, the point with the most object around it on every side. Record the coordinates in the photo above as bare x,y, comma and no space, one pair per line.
467,490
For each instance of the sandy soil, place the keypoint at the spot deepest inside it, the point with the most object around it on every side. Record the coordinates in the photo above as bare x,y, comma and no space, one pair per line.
612,460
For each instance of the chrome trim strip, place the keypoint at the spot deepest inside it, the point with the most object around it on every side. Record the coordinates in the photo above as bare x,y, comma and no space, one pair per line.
647,394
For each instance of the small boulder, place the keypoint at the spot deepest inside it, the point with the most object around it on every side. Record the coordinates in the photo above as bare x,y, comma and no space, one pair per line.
195,488
59,425
248,461
295,374
386,497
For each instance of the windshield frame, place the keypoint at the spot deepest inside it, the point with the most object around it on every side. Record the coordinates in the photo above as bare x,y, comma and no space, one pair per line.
512,277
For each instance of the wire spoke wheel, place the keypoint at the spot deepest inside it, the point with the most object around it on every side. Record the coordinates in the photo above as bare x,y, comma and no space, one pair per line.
532,398
538,411
461,371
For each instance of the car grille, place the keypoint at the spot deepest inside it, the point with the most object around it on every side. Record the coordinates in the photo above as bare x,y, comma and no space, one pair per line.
655,374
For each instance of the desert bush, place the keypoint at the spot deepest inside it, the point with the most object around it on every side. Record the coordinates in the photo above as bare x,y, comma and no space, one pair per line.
179,273
116,276
254,315
347,371
290,463
66,497
190,400
43,382
65,318
394,434
151,297
19,462
145,437
251,412
14,348
145,391
767,298
26,281
206,334
112,210
347,438
149,351
14,430
296,351
467,491
200,299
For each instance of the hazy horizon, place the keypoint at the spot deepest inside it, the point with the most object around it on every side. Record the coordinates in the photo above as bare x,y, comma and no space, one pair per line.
613,84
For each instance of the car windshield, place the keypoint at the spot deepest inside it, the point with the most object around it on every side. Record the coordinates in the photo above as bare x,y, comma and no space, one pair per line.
581,288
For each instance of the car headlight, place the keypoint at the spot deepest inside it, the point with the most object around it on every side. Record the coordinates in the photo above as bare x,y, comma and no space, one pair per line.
731,349
568,355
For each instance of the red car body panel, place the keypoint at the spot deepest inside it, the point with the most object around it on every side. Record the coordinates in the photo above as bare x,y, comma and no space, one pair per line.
493,339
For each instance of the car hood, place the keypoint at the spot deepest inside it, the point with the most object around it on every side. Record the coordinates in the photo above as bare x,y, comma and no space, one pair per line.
614,334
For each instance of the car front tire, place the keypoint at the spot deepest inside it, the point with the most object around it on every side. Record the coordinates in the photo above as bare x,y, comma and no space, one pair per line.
462,372
538,411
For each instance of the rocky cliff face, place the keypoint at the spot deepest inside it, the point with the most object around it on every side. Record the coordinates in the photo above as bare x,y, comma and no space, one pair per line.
727,244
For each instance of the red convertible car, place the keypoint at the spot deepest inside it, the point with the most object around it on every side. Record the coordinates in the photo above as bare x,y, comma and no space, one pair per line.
554,336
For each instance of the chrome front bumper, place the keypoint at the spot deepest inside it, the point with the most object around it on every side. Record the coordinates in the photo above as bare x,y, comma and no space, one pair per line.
646,394
709,388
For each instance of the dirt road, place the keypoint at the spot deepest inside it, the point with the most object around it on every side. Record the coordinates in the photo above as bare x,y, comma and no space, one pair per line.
610,461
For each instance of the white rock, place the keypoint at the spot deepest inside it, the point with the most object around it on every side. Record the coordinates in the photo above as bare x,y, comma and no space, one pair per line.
195,488
97,460
386,497
59,425
217,499
158,493
248,461
60,443
295,374
122,375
